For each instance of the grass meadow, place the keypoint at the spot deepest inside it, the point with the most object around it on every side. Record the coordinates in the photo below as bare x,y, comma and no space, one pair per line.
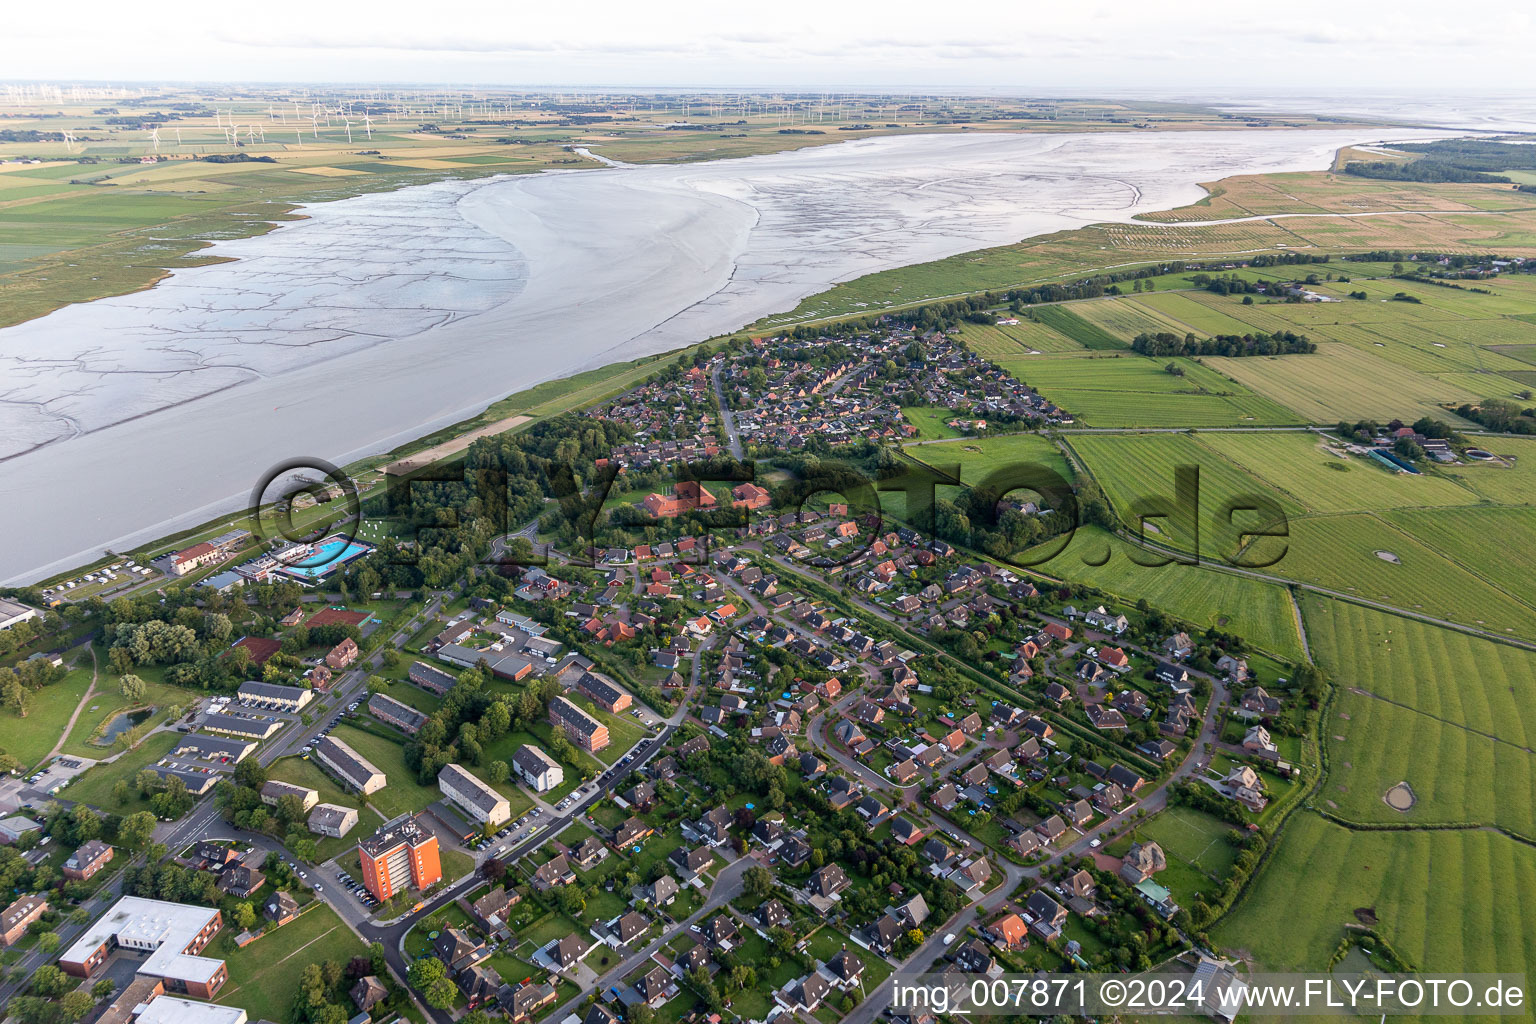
1436,896
1340,553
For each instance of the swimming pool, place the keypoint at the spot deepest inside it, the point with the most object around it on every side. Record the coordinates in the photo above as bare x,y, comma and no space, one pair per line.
329,555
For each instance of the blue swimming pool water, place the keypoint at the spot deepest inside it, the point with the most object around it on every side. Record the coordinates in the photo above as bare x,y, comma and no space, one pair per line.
330,554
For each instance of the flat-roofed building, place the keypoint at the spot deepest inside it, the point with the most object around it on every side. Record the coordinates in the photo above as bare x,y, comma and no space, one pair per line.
603,693
89,858
14,613
172,933
396,713
580,728
175,1010
287,698
401,854
537,768
475,798
352,768
239,725
431,678
332,820
274,790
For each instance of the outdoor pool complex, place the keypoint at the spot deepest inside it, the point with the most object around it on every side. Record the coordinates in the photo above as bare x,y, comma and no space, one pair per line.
326,557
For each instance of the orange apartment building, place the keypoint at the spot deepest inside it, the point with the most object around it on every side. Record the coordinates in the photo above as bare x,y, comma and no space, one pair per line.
686,497
401,854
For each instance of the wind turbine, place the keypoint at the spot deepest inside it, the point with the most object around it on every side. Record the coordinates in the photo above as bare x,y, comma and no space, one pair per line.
314,124
178,136
368,126
154,136
349,131
69,141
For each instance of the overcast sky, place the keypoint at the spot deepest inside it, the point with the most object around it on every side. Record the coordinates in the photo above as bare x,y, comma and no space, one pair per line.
1088,46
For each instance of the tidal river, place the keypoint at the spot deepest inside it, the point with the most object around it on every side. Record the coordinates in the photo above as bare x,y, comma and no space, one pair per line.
380,318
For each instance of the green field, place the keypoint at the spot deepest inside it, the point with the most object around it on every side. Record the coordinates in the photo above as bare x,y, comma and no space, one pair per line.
1127,390
1302,467
1340,553
264,976
103,707
1463,537
30,739
932,423
1135,467
1435,896
1484,685
1195,844
1512,482
1002,341
1457,775
1066,322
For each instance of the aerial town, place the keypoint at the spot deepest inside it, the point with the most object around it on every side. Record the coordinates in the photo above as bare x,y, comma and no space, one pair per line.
715,773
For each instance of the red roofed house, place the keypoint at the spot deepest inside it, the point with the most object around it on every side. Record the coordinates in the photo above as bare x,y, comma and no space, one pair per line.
686,496
1057,630
749,496
1114,657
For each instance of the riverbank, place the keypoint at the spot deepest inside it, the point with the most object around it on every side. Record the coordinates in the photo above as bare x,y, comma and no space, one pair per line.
538,278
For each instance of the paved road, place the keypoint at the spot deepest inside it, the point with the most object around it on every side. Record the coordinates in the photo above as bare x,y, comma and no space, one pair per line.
727,417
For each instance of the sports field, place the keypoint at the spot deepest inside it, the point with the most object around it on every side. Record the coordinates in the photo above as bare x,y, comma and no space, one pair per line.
1195,845
264,976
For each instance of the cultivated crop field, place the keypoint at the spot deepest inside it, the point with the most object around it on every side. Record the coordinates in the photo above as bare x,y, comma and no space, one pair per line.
1434,895
1340,553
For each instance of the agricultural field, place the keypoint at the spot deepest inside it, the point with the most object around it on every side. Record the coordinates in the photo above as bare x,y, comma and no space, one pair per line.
1511,481
1139,467
1456,774
1323,479
1027,337
1433,895
1342,382
1463,537
1127,390
1365,556
1260,612
1480,684
977,458
1087,333
1102,323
